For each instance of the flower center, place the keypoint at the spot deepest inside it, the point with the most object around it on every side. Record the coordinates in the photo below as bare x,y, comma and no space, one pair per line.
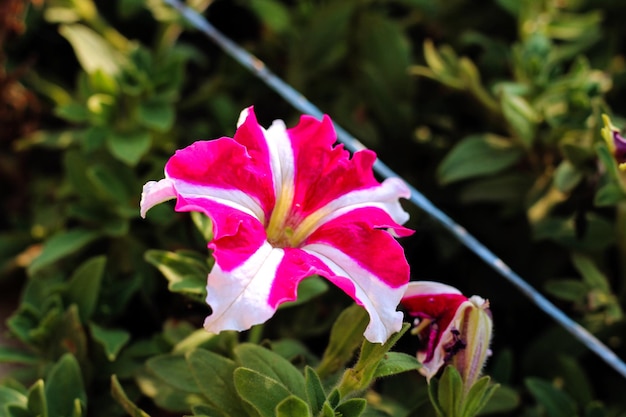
282,225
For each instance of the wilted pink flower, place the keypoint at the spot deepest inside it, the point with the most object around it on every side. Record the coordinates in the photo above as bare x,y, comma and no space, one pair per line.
285,205
454,329
615,142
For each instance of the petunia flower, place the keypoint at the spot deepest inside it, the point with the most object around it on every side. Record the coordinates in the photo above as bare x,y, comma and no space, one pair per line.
615,142
286,204
454,329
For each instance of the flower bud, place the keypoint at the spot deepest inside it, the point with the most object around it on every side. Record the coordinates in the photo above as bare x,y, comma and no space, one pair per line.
454,329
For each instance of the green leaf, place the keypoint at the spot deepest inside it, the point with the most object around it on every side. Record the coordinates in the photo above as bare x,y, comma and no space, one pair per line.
84,286
272,13
156,114
129,147
186,274
327,410
567,289
173,370
91,49
72,112
271,365
101,82
17,355
567,176
345,337
478,396
293,406
590,272
450,391
576,382
362,374
610,194
554,401
63,386
214,375
61,245
37,404
353,407
395,363
203,224
598,233
308,289
520,115
476,156
503,401
511,6
314,390
112,340
9,396
260,391
122,399
110,182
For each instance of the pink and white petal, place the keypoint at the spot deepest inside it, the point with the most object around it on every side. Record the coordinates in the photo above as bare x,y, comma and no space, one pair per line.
156,193
434,300
239,296
323,172
379,299
433,361
422,288
384,197
236,234
273,146
209,196
362,235
227,165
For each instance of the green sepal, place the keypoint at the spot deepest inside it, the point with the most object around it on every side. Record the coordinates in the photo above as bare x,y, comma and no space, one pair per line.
314,390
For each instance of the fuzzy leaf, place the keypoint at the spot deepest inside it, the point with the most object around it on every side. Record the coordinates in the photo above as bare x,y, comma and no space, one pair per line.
395,363
353,407
173,370
293,406
314,390
345,337
271,365
214,376
260,391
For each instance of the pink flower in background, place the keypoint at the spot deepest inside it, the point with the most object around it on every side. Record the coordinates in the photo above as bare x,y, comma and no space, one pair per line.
454,329
287,204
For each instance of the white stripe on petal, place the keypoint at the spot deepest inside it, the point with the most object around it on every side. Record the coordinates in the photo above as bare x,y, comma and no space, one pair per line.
282,166
378,299
228,197
385,196
281,156
239,297
154,193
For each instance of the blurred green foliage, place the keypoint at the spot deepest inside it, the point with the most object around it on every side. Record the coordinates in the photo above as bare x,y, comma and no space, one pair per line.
492,109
